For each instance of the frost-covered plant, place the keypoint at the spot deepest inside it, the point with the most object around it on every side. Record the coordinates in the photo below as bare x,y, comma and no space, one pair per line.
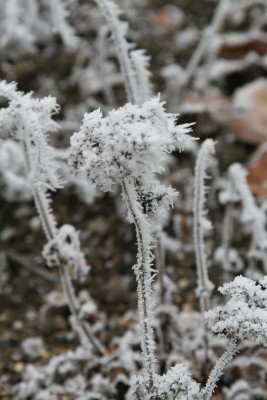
204,46
131,142
28,120
15,29
253,217
133,63
201,223
175,384
243,317
226,255
118,28
59,16
128,147
241,390
25,23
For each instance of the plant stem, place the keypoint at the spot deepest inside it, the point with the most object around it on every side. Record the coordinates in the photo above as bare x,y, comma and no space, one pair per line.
217,371
204,285
144,279
81,327
122,48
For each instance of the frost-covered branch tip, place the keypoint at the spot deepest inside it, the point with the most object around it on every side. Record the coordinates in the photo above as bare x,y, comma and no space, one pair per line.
133,63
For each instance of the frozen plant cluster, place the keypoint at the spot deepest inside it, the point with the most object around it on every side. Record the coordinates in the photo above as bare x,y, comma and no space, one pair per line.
28,120
244,317
130,143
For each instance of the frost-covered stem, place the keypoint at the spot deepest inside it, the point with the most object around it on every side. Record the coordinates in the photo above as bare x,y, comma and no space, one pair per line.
204,284
218,369
102,54
140,62
160,264
59,16
209,32
110,12
50,229
227,234
80,326
40,199
160,268
144,279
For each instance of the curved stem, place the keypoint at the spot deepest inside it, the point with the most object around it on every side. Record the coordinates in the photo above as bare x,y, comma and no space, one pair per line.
41,201
144,279
217,371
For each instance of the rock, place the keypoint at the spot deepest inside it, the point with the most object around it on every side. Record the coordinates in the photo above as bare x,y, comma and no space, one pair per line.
249,123
167,19
257,172
209,112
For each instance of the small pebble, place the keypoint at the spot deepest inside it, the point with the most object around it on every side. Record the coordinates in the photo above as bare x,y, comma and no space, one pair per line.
35,224
19,367
18,325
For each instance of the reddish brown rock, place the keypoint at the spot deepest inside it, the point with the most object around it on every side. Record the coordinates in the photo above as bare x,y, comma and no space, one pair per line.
249,122
257,173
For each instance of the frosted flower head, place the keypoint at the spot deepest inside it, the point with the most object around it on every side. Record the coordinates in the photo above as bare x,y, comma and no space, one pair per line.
244,317
177,381
130,142
38,113
28,120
